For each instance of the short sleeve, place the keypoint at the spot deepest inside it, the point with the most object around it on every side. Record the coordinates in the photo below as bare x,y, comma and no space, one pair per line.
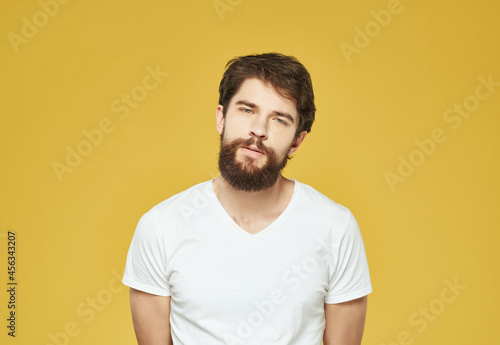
350,278
145,268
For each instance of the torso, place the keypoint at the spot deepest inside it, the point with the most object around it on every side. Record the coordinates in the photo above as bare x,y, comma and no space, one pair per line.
253,226
257,223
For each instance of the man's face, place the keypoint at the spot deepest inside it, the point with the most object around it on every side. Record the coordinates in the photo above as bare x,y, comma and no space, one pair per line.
257,135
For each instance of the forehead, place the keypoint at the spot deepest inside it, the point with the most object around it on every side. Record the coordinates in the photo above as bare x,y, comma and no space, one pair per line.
265,97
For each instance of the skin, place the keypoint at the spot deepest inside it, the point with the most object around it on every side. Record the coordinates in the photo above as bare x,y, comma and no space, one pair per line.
253,211
345,322
151,318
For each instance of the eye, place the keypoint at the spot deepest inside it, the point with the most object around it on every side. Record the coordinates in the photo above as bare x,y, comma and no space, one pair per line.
281,121
246,110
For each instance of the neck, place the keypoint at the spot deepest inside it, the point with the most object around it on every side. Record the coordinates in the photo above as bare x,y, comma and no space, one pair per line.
249,203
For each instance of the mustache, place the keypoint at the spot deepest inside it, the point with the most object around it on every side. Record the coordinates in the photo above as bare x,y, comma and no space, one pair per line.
257,142
237,143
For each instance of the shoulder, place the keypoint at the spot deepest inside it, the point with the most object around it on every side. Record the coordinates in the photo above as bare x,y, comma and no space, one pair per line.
169,210
318,203
196,192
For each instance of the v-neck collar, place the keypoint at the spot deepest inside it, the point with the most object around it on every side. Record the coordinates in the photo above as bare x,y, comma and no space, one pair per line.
267,229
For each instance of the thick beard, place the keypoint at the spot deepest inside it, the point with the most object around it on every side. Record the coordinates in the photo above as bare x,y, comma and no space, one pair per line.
246,176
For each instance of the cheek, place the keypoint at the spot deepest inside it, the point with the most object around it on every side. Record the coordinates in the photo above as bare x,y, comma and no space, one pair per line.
285,132
234,128
285,137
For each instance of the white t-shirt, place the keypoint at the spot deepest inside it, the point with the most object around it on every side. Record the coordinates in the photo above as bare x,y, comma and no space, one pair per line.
228,286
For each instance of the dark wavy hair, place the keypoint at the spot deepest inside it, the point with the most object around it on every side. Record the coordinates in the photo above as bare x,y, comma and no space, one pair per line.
285,73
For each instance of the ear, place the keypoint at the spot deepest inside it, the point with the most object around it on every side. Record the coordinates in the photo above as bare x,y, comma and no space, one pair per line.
297,142
220,119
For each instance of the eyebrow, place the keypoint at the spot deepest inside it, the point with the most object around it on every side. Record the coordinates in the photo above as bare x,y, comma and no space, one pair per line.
255,106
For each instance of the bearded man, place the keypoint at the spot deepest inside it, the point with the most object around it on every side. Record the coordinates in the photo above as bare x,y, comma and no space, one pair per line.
263,259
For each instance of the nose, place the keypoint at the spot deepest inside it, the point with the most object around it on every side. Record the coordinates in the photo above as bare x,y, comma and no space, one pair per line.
258,128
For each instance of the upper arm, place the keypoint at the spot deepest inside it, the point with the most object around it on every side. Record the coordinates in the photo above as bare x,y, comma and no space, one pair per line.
349,274
345,322
151,318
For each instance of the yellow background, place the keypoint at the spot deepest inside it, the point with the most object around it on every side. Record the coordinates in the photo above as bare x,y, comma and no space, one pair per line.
440,224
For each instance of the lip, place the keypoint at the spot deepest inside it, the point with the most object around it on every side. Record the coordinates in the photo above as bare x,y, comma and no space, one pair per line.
253,148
